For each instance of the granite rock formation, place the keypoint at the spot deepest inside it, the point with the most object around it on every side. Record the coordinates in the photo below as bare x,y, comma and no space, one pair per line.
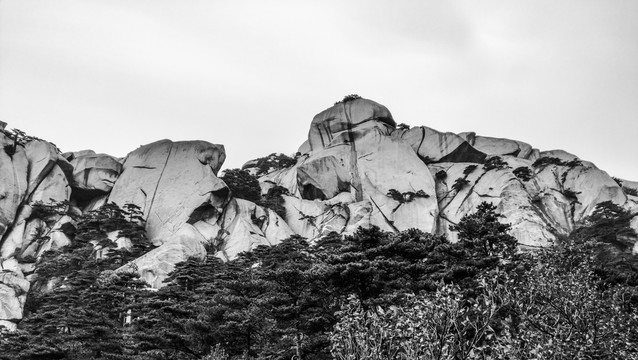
357,168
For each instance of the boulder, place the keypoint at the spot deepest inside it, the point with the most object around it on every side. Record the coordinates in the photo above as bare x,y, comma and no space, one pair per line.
341,123
13,292
435,146
95,172
243,226
42,157
388,164
500,147
169,181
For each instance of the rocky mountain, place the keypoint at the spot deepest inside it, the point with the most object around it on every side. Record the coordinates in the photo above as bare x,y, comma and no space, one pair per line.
357,168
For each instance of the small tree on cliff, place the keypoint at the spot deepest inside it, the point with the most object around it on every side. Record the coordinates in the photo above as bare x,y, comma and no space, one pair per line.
483,233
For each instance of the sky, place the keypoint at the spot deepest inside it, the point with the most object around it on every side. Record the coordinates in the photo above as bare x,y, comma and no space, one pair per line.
111,75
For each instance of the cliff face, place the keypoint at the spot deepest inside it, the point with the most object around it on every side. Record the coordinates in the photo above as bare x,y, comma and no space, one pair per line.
355,169
359,169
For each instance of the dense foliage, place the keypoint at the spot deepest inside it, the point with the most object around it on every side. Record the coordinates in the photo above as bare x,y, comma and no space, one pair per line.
244,185
371,295
270,163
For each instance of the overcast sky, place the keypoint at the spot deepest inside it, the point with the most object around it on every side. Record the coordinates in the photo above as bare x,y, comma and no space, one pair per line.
113,75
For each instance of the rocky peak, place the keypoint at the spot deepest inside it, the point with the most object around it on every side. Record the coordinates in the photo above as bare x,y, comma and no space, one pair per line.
356,169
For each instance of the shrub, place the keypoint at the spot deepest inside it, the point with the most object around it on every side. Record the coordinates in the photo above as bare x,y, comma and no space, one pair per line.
428,326
546,160
630,191
618,181
348,98
273,162
459,184
574,163
40,210
242,184
495,162
468,169
441,175
274,200
403,126
570,194
524,173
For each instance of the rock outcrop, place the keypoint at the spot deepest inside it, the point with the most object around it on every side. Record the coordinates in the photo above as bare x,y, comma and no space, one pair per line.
168,181
356,169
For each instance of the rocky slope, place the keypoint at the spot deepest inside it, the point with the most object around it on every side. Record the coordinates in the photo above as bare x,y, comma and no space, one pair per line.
357,168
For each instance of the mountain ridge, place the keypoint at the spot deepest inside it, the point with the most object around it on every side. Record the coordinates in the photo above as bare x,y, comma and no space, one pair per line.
356,169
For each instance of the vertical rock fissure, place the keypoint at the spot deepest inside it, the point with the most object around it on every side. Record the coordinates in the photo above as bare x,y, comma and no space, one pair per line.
354,169
150,206
16,197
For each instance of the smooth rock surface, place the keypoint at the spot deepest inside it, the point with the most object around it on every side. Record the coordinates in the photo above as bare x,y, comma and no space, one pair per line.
13,183
95,172
168,181
434,146
341,123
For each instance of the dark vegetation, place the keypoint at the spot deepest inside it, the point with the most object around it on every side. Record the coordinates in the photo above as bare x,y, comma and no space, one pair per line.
407,196
494,163
243,185
524,173
460,183
348,98
372,295
20,138
270,163
547,160
441,175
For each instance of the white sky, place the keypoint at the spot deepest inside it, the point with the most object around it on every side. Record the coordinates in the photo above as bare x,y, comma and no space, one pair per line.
113,75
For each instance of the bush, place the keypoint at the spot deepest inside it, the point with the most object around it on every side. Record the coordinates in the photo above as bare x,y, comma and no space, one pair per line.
630,191
274,200
468,169
242,184
272,162
459,184
524,173
406,197
441,175
442,325
40,210
574,163
348,98
570,194
546,160
495,162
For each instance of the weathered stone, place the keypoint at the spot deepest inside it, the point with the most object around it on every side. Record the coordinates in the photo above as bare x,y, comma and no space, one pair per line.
169,181
499,187
95,172
14,169
501,147
244,226
42,157
13,290
385,164
155,265
342,123
435,146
